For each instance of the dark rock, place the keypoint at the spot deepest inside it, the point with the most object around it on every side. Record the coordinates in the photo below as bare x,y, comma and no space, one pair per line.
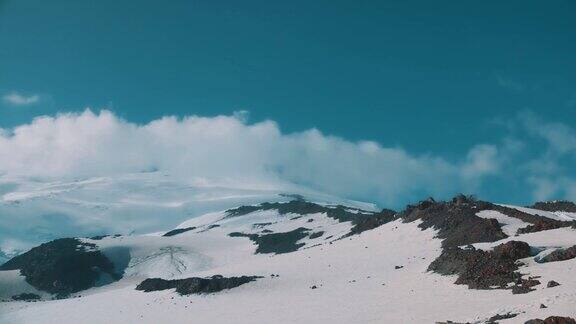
316,234
552,283
543,306
100,237
552,320
360,219
498,317
277,243
398,267
544,224
314,287
552,206
26,297
456,221
179,231
260,225
63,266
524,286
513,250
560,255
195,285
483,269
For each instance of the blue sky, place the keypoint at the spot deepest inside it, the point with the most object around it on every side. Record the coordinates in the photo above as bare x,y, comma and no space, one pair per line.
431,78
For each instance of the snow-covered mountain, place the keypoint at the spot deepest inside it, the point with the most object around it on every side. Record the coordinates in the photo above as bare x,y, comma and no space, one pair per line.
34,211
299,258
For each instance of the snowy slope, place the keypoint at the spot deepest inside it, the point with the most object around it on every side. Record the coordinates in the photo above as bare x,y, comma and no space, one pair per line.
380,275
36,211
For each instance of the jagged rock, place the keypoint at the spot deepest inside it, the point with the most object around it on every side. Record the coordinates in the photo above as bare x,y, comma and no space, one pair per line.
552,283
552,206
482,269
62,266
179,231
524,286
195,285
456,221
543,306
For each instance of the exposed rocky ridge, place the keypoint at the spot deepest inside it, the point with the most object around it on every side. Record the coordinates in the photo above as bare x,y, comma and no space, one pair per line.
63,266
456,221
361,220
195,285
276,243
560,255
557,205
480,269
544,225
458,225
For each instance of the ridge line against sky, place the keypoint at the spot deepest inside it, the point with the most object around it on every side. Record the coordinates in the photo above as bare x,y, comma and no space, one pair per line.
531,162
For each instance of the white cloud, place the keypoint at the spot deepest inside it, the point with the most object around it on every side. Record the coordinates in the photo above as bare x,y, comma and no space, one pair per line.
18,99
227,148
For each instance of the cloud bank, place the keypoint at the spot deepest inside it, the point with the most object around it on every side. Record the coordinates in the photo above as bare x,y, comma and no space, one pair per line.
228,149
533,154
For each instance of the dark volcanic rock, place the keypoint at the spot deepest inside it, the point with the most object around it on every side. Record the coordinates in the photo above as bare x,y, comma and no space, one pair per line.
552,320
498,317
360,219
552,206
277,243
26,297
179,231
62,266
316,235
544,224
560,255
552,283
483,269
195,285
456,221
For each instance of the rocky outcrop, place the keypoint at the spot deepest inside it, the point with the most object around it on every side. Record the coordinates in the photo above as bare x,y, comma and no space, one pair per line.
544,224
455,221
276,243
480,269
560,255
553,206
195,285
63,266
361,220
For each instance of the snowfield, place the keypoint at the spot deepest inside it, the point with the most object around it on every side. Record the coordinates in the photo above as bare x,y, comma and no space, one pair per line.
377,276
36,211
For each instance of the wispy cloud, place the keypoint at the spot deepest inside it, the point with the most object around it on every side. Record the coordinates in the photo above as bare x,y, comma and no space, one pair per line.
508,83
15,98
